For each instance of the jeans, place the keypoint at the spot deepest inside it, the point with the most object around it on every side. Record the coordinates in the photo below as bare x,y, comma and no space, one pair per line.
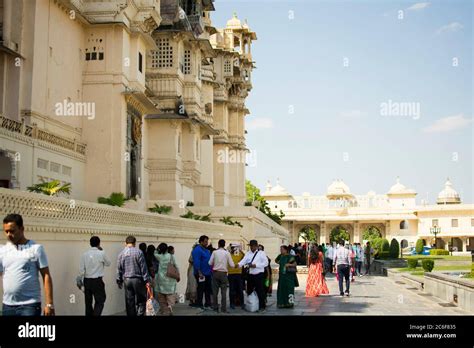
28,310
359,267
219,282
236,289
94,288
255,282
135,296
204,289
343,271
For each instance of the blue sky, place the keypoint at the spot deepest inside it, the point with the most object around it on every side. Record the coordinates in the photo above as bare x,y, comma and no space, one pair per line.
334,63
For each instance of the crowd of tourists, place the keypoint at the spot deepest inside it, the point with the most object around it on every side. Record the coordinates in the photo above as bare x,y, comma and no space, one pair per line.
148,273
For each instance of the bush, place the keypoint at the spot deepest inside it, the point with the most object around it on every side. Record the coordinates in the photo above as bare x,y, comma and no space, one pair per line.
419,246
427,265
116,199
384,255
376,244
394,249
412,263
385,245
161,209
439,252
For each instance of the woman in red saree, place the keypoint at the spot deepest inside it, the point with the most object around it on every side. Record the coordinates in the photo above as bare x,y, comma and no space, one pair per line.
316,284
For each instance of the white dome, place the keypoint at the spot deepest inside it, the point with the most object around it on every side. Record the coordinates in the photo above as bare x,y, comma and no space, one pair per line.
399,188
234,23
338,188
448,195
276,190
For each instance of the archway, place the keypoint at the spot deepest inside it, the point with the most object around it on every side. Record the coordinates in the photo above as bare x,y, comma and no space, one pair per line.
339,233
457,244
404,244
5,171
371,232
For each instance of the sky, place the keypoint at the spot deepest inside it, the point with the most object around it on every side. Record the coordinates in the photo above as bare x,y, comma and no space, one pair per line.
362,91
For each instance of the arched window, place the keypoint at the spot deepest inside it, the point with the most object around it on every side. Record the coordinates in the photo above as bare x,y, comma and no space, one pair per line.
290,204
404,225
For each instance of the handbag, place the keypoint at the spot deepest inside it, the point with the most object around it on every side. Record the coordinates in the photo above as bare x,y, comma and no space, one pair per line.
246,270
172,270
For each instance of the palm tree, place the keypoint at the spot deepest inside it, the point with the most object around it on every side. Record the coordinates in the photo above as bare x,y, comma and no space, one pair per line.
51,188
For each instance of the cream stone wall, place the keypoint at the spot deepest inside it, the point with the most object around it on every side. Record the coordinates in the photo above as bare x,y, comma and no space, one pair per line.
65,227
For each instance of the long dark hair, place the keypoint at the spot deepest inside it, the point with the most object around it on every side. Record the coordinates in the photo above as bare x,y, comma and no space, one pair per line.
162,248
150,255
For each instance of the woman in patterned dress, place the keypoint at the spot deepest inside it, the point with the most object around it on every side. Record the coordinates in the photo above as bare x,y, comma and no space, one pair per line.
316,284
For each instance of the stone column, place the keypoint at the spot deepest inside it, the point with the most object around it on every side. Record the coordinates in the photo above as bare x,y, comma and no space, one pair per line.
357,237
387,229
324,237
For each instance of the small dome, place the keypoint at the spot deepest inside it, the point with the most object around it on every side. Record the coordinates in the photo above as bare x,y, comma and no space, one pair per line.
448,195
276,190
246,24
338,189
399,188
234,23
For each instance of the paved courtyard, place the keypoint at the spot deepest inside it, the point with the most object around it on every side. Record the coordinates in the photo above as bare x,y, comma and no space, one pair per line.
370,295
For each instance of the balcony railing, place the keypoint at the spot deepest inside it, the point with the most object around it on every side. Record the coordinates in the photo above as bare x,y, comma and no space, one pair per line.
40,134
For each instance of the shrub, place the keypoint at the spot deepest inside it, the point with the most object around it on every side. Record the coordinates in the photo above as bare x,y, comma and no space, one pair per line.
116,199
191,215
50,188
419,246
385,245
228,221
439,252
394,249
412,263
427,265
384,255
161,209
376,244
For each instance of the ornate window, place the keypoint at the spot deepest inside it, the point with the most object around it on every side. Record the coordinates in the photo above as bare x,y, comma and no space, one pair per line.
95,48
163,57
42,164
55,167
227,67
404,225
187,62
67,171
454,223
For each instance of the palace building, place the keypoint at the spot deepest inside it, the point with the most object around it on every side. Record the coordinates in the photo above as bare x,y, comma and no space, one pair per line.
394,214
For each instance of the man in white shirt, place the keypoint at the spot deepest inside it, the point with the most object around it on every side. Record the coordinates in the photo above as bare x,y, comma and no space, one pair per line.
256,261
342,262
220,262
92,266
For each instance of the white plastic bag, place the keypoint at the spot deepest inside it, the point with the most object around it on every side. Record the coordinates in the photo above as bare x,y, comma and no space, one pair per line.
251,303
152,306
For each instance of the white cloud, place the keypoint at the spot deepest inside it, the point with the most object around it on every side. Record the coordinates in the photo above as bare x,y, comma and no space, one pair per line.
450,28
353,114
418,6
259,123
448,124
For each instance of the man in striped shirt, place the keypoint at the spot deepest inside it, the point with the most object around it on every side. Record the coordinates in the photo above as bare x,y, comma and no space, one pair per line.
133,273
342,262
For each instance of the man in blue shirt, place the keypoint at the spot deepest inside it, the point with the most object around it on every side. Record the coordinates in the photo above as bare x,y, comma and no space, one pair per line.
202,272
20,261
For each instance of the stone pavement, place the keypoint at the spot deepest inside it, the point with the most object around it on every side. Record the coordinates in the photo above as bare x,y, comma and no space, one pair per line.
370,295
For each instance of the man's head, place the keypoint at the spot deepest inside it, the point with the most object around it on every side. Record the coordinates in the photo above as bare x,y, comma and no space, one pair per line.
221,243
341,242
204,240
368,243
253,245
131,240
261,247
13,228
95,241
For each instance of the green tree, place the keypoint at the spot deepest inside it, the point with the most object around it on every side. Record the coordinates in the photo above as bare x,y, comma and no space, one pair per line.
338,233
50,188
394,249
371,233
385,245
308,234
419,246
253,194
